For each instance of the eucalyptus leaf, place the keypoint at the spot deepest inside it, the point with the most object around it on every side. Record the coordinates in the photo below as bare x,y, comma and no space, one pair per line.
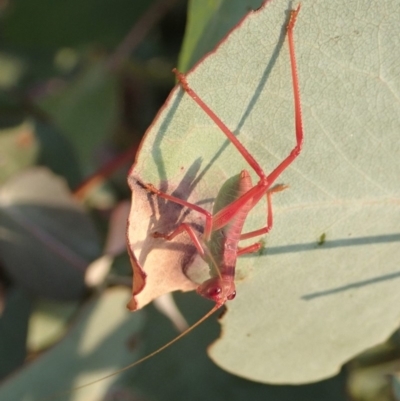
13,330
85,110
98,344
48,322
325,286
208,23
72,23
19,148
47,239
184,371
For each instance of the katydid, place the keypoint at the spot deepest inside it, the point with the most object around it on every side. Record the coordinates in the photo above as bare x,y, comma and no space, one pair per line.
219,243
223,228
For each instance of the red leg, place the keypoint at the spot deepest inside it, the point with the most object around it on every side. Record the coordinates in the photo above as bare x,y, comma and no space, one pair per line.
232,138
270,220
249,249
297,105
181,228
225,215
205,213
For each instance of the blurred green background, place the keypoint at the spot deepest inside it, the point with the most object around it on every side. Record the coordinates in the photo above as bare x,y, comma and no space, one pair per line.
80,81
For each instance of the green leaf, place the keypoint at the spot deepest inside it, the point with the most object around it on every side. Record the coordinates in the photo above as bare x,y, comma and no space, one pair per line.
86,110
47,239
208,23
303,306
13,330
185,372
98,344
71,23
57,153
12,69
47,323
19,149
396,386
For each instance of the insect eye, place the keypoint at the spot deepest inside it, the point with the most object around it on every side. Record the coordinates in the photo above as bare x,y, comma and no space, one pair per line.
231,296
214,291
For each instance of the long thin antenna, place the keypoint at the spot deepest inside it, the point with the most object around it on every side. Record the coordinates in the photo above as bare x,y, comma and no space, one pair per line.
145,358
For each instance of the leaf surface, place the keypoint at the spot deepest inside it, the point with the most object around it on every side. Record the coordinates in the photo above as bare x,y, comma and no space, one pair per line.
85,110
19,149
47,240
13,330
98,344
315,296
71,24
208,23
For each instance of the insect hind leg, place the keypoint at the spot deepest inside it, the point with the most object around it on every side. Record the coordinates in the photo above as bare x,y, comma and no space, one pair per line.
207,215
249,249
182,228
297,104
270,220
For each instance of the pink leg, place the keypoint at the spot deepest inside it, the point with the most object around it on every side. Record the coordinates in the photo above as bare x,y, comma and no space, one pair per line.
205,213
270,220
181,228
225,215
297,105
232,138
249,249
